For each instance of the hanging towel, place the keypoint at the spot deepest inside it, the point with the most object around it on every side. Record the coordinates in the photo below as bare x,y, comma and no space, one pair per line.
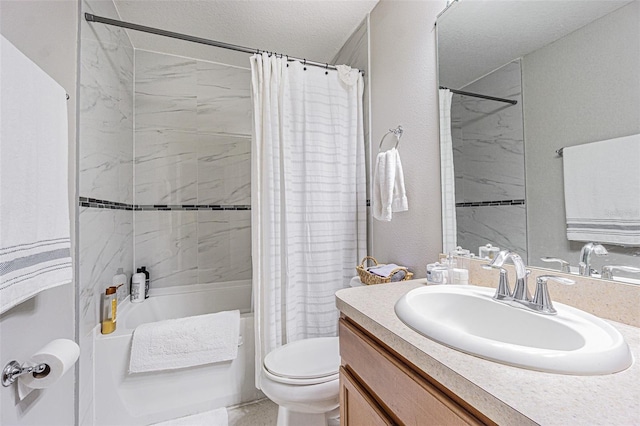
389,194
217,417
602,191
35,240
185,342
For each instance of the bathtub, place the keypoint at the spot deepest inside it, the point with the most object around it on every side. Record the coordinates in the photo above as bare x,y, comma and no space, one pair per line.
144,398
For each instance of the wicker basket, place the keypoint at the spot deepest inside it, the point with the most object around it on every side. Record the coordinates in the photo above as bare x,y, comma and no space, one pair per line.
368,278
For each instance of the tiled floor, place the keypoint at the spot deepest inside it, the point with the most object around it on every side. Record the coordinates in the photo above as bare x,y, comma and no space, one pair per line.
259,413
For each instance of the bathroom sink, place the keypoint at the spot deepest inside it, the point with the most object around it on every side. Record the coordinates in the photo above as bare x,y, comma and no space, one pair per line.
467,318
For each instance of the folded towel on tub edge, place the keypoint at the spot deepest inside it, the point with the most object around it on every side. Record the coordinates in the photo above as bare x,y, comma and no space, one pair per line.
185,342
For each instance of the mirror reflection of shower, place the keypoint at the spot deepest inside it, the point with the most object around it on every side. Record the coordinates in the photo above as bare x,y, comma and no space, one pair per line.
488,157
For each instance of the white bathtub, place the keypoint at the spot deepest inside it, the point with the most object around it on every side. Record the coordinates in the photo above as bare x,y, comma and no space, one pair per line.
144,398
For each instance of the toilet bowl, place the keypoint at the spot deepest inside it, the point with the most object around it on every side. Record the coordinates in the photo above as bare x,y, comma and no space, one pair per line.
302,378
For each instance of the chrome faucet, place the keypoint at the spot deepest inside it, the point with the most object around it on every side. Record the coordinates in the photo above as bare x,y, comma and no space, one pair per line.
520,291
585,257
520,297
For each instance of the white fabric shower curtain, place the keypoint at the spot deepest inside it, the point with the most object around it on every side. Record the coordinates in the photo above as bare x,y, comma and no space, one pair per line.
308,197
447,175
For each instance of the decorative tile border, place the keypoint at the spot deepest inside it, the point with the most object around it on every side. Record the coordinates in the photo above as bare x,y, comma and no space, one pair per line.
105,204
492,203
178,207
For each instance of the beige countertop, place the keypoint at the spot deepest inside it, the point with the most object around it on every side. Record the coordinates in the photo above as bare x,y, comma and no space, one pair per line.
508,395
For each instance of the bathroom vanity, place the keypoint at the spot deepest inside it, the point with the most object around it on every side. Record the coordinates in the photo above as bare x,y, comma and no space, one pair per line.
390,374
377,387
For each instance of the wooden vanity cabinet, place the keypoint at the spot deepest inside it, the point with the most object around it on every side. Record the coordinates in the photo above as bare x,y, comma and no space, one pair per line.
379,388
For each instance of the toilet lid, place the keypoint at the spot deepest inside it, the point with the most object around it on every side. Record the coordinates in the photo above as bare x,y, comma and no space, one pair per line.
305,359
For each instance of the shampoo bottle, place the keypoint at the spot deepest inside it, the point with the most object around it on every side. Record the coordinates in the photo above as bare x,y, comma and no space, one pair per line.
137,287
109,307
143,269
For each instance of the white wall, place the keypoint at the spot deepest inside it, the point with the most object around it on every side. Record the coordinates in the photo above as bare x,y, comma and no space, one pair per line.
404,91
46,32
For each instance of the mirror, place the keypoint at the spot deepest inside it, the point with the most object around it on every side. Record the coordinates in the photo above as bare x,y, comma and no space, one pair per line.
572,67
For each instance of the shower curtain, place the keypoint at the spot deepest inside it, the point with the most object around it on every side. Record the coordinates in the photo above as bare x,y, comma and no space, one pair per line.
308,197
447,176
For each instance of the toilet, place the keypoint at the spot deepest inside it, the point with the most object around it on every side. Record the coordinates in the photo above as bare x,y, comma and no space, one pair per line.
302,378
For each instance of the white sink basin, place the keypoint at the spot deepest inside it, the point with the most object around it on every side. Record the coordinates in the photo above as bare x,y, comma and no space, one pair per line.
467,318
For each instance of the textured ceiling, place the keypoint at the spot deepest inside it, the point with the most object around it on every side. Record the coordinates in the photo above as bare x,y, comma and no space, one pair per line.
476,37
315,30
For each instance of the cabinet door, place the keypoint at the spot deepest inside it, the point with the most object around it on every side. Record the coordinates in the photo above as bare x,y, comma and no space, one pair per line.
405,396
357,408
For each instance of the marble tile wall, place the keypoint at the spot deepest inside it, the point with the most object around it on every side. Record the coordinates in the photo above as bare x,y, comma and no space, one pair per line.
106,108
488,148
502,226
192,147
105,137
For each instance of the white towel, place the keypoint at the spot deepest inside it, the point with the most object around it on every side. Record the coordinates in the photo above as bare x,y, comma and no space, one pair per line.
602,191
35,240
218,417
185,342
383,270
389,194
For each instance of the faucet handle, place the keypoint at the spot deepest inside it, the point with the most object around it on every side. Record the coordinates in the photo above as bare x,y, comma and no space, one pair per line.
503,292
541,299
564,265
607,270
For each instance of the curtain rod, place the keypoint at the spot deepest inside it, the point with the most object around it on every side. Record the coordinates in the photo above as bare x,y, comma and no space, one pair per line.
476,95
94,18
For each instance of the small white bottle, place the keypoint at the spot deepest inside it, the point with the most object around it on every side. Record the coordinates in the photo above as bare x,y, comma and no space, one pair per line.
137,287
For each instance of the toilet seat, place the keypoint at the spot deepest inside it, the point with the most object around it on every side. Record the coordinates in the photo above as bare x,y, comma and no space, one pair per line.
304,362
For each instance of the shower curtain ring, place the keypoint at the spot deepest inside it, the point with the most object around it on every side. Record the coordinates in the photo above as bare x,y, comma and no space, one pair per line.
305,65
326,68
